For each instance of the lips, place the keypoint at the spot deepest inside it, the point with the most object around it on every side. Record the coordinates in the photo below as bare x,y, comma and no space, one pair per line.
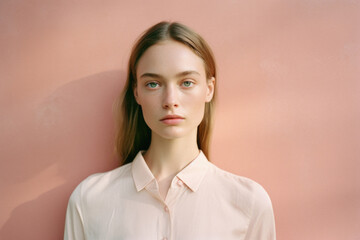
172,119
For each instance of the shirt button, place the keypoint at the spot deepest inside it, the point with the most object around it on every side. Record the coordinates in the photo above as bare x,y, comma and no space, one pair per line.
166,209
179,182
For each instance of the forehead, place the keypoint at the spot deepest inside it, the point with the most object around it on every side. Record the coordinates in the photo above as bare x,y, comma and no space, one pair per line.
168,58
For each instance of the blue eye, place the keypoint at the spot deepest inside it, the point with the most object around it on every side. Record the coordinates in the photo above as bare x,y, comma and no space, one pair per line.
187,83
152,84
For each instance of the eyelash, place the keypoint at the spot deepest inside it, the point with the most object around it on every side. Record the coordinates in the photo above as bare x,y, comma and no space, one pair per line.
188,81
148,84
182,83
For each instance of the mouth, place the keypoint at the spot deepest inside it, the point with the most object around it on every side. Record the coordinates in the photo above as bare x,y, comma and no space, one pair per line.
172,119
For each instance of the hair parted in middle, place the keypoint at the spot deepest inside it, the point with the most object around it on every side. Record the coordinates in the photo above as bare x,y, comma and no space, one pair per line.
133,134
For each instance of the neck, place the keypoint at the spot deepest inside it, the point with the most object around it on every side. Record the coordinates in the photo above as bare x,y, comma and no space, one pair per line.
167,157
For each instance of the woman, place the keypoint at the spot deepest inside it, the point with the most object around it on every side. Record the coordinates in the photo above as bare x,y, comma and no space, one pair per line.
166,187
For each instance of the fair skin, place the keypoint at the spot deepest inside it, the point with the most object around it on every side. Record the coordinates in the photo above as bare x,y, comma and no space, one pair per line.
172,90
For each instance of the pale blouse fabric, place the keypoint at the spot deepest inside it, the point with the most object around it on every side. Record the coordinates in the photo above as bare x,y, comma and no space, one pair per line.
203,203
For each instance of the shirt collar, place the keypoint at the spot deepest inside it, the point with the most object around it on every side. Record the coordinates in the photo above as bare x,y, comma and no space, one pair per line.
192,175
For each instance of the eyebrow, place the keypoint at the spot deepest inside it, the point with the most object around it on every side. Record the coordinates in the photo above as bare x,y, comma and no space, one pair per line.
181,74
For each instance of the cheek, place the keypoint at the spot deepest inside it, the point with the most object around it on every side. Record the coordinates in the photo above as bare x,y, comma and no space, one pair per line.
146,101
147,108
195,103
150,112
148,116
196,98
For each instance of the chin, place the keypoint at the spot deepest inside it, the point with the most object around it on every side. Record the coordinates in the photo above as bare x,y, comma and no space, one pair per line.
173,133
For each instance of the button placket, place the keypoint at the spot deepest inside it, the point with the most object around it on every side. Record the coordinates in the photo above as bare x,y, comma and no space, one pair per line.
175,190
166,230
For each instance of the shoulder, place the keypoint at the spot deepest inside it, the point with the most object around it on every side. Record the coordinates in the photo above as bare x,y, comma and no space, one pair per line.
247,192
252,199
100,182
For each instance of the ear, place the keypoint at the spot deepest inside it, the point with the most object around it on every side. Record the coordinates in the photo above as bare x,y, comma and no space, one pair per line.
136,94
210,89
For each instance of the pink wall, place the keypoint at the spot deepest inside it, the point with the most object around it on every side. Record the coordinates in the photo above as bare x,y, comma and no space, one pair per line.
288,111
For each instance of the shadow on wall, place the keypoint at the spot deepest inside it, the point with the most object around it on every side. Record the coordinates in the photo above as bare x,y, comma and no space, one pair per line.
69,135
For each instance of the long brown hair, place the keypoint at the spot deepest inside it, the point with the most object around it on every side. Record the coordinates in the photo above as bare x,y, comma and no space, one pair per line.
133,134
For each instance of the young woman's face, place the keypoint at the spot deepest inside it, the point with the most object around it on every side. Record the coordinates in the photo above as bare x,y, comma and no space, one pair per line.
172,89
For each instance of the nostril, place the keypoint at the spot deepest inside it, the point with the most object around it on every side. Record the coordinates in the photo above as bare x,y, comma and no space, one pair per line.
170,105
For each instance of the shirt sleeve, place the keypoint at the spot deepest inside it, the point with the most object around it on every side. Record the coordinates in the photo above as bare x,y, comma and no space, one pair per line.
262,222
74,223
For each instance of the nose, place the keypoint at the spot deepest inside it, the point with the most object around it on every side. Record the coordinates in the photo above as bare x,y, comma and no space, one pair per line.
170,99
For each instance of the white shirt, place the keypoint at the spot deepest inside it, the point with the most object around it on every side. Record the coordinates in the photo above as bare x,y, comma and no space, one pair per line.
203,202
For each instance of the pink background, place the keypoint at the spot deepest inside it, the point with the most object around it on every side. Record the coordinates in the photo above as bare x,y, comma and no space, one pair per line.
287,116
